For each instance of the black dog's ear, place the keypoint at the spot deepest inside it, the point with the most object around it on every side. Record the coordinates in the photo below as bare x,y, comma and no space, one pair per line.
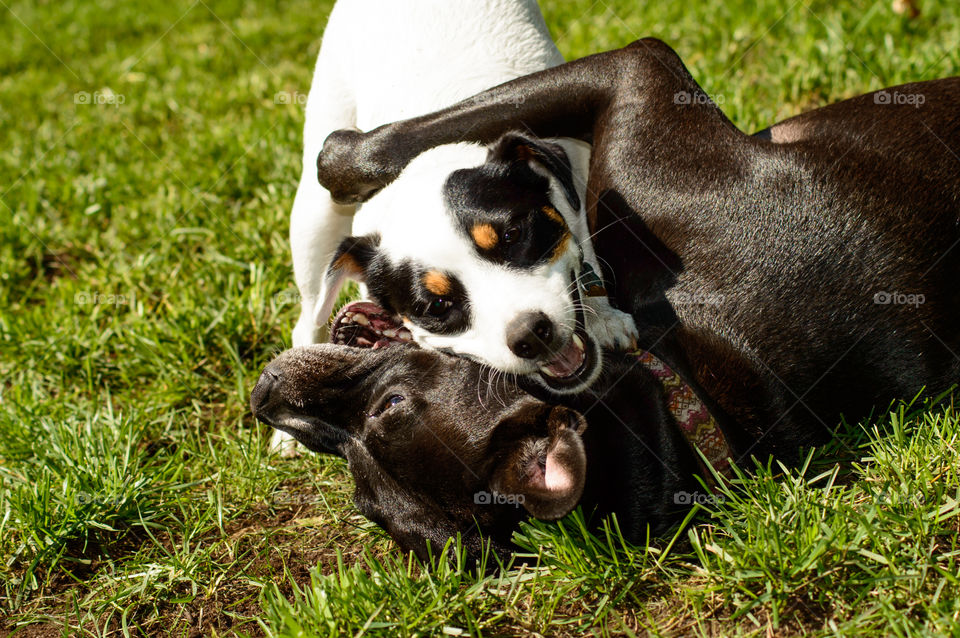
545,473
514,147
349,261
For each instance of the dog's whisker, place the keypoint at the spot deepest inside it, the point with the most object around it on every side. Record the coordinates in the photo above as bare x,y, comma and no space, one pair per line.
483,367
492,384
586,308
608,268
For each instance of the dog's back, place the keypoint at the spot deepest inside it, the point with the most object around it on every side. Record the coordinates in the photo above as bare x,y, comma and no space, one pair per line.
391,60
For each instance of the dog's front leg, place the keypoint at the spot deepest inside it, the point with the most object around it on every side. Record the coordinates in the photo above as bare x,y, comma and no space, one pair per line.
317,225
579,99
559,102
613,329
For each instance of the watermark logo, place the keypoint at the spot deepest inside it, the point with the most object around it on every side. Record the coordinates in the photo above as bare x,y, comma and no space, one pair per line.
515,100
696,298
286,97
495,498
685,98
696,498
95,298
284,499
895,298
107,500
915,100
887,497
99,98
287,298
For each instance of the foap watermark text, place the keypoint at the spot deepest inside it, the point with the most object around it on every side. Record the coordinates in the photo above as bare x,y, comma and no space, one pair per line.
496,498
895,298
897,98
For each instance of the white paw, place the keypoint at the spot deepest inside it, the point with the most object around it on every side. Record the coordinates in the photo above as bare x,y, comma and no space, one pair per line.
611,328
285,445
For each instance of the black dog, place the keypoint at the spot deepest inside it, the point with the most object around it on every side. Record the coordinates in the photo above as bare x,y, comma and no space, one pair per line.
435,453
790,277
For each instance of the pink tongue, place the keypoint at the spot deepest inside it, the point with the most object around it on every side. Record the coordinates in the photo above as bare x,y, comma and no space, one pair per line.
568,361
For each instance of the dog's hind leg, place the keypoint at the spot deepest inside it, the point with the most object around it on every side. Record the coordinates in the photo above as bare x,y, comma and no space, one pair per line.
317,224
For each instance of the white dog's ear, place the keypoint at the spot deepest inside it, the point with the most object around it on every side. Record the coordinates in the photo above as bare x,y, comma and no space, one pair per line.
514,147
350,261
548,472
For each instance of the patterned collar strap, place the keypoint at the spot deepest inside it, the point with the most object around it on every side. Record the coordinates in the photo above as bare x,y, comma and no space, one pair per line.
698,427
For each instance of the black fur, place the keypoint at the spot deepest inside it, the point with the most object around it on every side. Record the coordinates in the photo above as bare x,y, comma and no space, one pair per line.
506,192
753,265
420,464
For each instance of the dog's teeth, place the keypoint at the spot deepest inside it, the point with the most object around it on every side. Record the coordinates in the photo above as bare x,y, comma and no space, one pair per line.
389,333
578,341
547,371
361,319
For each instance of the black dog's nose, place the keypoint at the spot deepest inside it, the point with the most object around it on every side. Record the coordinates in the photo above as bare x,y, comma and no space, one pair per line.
530,335
261,393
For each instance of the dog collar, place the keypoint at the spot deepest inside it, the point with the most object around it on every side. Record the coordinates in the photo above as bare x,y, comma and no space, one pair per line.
698,427
588,280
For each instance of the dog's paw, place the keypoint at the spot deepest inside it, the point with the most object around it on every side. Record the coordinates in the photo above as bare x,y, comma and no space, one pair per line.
284,445
610,327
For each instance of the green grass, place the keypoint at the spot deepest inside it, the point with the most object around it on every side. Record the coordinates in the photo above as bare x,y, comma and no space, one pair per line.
145,280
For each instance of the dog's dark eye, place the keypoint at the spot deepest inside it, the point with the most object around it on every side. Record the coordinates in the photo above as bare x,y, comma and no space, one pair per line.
512,235
391,401
439,307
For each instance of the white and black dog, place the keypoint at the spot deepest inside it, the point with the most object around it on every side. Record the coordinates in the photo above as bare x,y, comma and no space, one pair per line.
491,275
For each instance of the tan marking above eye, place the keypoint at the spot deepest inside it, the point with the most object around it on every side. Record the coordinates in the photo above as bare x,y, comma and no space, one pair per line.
347,262
524,153
552,213
561,247
484,236
437,283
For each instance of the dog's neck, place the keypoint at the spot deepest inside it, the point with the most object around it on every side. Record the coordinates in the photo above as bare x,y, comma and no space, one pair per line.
697,425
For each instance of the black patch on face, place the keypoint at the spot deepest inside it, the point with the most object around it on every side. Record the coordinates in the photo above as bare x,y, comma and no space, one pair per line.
400,289
506,194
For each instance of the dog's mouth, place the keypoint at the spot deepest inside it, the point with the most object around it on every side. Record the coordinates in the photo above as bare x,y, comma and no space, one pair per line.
569,362
363,324
575,364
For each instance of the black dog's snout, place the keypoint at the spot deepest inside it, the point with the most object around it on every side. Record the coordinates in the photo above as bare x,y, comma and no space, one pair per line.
530,335
260,396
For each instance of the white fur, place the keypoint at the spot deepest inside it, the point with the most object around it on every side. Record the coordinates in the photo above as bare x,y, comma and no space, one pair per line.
385,60
381,61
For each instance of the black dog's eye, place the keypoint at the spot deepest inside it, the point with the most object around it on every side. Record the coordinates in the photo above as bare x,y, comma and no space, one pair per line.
391,401
512,234
439,307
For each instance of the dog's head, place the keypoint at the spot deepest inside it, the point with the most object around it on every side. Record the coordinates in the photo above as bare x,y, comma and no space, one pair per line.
483,261
430,458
